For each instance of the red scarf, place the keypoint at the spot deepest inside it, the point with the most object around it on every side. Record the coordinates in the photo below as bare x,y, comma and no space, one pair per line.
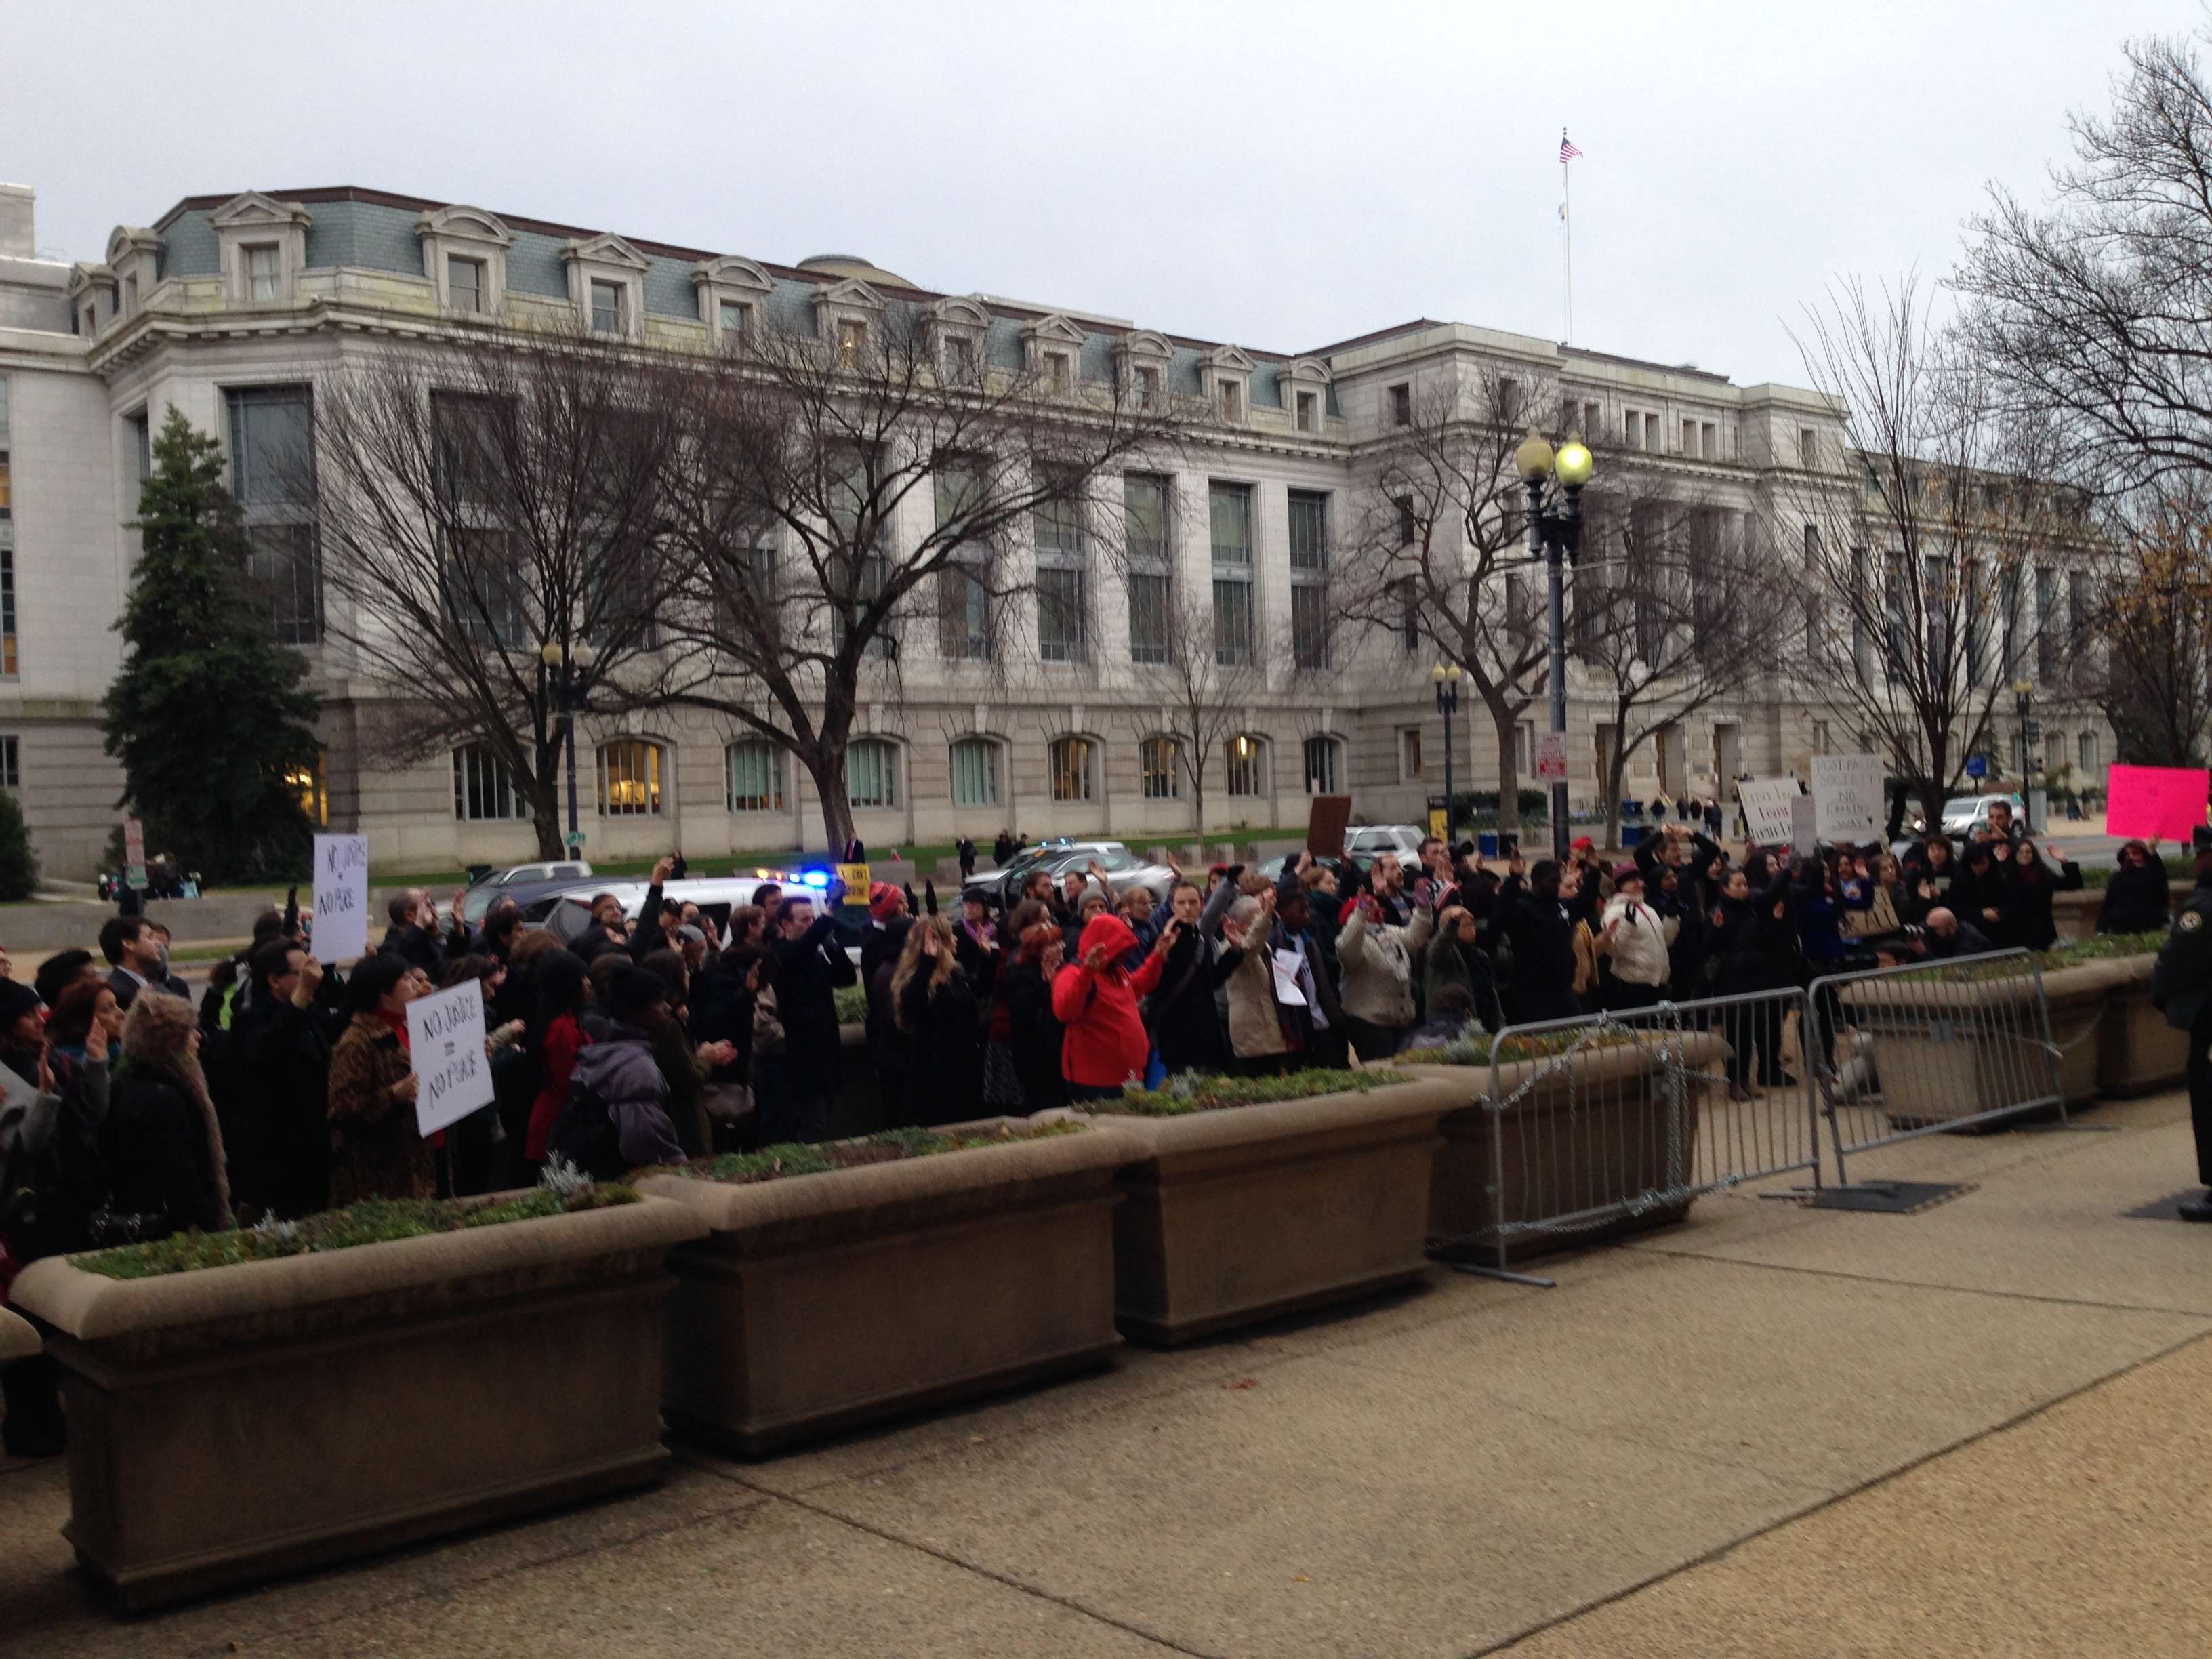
398,1023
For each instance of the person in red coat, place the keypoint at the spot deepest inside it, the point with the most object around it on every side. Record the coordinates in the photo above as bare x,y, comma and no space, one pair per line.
1104,1045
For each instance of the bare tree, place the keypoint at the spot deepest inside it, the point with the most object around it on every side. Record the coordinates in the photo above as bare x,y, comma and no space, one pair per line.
1669,617
2149,658
1910,563
1212,664
1436,551
2098,305
478,504
827,492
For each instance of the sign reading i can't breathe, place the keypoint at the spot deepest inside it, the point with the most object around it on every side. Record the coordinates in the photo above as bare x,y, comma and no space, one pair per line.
341,898
446,1051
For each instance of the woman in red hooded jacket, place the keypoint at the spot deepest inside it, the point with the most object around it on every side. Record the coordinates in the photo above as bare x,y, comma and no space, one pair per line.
1095,999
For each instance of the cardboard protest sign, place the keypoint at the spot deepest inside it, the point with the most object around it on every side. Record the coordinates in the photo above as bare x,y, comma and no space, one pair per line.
1766,809
1847,797
1551,757
1326,818
2157,803
341,898
445,1052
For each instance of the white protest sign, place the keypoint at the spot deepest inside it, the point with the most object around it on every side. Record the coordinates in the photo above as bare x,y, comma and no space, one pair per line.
446,1051
1804,826
1766,809
1551,757
341,898
1847,793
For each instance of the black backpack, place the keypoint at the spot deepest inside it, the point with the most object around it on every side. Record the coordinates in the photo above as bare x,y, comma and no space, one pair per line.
51,1179
584,1134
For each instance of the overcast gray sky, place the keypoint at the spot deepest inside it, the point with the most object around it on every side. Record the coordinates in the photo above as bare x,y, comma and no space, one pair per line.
1280,175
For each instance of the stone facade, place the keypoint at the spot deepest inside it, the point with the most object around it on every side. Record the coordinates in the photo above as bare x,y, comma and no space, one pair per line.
224,295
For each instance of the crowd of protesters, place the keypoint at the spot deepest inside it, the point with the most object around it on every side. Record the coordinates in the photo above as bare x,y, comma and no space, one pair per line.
287,1088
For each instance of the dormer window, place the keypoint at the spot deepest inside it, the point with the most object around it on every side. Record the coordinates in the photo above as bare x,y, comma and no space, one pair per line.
1232,402
736,316
1309,411
606,306
1225,380
1148,388
730,292
852,342
1056,373
264,271
960,359
464,282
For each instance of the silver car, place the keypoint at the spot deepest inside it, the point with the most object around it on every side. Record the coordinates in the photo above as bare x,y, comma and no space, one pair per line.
1123,870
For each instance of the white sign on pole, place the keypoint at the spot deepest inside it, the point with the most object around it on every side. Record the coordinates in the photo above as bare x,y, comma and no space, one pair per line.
1766,809
446,1051
1847,791
1804,826
134,841
1551,757
341,898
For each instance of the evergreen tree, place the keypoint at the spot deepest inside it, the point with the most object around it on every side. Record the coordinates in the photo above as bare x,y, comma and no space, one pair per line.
19,865
209,714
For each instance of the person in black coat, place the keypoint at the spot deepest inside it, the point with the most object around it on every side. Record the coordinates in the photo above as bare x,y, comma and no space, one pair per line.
810,968
2029,884
1033,1031
415,937
1181,1012
1002,849
2139,899
890,1049
936,1013
282,1054
1754,937
1541,927
161,1143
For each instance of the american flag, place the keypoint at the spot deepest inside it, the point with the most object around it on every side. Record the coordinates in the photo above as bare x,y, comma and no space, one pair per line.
1566,149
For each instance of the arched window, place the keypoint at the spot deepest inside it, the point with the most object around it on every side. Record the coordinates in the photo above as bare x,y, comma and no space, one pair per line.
1160,759
975,772
2089,759
2054,754
629,778
872,773
306,783
1075,767
1322,771
753,776
1247,754
484,788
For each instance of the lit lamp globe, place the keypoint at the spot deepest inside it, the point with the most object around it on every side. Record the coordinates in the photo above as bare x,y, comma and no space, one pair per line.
1532,459
1573,465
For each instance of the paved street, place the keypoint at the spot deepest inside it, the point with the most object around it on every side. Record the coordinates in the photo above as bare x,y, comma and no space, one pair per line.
2002,1392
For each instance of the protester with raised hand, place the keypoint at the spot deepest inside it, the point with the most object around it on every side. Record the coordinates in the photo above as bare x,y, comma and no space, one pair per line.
1376,956
375,1149
1104,1044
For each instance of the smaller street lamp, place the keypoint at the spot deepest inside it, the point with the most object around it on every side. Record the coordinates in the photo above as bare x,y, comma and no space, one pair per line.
1447,676
1555,536
2023,692
564,671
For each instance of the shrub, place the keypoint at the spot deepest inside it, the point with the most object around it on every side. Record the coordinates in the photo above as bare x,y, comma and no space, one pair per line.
19,864
795,1157
852,1005
1187,1091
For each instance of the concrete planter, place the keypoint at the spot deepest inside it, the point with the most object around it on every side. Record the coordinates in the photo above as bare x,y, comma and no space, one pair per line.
238,1422
1946,1051
2076,912
17,1339
2137,1051
1594,1131
1243,1214
822,1301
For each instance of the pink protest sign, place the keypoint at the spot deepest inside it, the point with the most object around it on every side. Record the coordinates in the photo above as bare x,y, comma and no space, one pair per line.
2158,803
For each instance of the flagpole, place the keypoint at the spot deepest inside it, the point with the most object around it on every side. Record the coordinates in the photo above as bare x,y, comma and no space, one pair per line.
1567,239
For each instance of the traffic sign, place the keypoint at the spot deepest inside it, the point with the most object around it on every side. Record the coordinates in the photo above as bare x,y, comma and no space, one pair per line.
1977,766
2032,731
1551,757
573,841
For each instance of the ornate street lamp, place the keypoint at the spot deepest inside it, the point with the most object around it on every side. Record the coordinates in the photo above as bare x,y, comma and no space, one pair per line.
1447,676
564,671
1555,481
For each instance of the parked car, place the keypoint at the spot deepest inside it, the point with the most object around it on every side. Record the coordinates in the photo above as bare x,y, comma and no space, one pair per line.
1362,842
1964,814
511,881
567,910
1123,868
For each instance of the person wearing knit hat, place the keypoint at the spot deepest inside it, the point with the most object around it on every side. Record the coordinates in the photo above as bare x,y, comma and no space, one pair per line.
162,1144
621,1072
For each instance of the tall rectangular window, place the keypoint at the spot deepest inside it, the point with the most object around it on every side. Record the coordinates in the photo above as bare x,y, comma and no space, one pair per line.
271,461
629,779
975,772
1309,411
851,341
735,315
263,272
1145,524
1230,512
1593,421
1309,598
1409,616
1409,753
1061,630
872,773
2077,609
1321,754
1401,405
1809,446
464,283
11,763
484,789
606,306
2046,621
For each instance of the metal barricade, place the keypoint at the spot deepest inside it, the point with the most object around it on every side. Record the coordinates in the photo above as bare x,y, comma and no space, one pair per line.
1596,1124
1932,1046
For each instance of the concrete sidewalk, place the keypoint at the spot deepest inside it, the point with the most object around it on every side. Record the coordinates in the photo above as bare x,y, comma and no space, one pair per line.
1772,1430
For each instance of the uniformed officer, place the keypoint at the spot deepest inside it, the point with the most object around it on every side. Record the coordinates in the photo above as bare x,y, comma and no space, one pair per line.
2181,988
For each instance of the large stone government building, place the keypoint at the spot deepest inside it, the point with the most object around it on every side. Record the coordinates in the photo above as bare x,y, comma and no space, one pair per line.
232,307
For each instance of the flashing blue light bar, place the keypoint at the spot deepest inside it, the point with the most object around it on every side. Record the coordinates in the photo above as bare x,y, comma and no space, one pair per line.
816,878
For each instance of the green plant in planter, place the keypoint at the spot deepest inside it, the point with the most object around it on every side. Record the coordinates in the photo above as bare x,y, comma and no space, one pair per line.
2101,947
1479,1048
794,1157
851,1001
373,1221
1188,1092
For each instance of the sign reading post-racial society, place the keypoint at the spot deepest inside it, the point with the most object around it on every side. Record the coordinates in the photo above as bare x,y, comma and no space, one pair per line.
1847,799
341,898
445,1052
